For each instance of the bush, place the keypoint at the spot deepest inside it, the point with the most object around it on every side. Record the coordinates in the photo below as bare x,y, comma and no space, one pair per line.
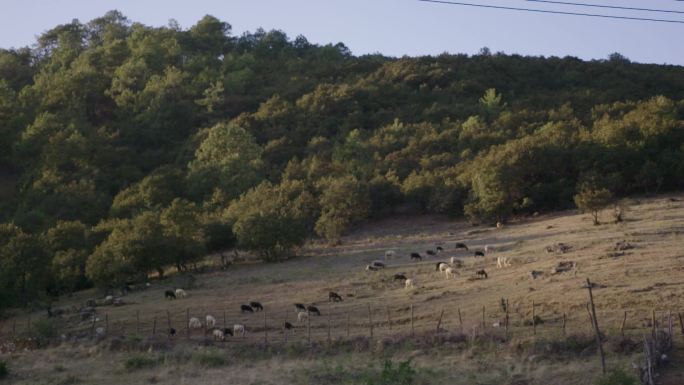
4,372
139,362
46,328
211,359
617,377
402,374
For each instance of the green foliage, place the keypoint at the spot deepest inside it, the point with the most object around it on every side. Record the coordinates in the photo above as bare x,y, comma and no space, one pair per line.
593,200
45,328
4,372
402,374
211,359
342,201
617,377
138,362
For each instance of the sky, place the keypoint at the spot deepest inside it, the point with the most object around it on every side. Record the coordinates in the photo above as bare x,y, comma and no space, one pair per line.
391,27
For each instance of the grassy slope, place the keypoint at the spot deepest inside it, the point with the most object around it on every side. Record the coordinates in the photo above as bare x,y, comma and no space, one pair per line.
648,276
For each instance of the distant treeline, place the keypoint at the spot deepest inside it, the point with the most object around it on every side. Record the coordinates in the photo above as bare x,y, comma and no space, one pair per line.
126,149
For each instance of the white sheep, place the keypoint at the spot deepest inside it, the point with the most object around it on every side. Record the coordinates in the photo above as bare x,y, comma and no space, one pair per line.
238,329
502,262
489,249
302,316
390,254
499,225
211,321
180,293
443,267
218,335
194,323
409,283
450,272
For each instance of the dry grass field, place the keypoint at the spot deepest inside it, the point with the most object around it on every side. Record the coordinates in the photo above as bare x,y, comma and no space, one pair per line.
645,277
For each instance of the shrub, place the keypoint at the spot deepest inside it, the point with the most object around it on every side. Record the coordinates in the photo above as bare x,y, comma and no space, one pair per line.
4,372
139,362
617,377
402,374
46,328
211,359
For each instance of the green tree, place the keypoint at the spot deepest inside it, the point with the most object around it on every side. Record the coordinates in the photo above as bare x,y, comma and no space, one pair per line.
70,245
24,265
593,199
342,201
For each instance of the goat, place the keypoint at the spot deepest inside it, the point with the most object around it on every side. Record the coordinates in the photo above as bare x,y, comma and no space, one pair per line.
409,283
194,323
334,297
460,245
302,316
169,294
246,309
416,256
313,310
399,277
211,321
482,273
180,293
239,329
256,306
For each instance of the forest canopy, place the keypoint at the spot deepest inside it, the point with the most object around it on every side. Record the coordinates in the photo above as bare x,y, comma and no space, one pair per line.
126,149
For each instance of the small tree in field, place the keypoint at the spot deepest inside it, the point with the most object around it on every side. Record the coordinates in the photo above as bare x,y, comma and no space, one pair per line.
593,200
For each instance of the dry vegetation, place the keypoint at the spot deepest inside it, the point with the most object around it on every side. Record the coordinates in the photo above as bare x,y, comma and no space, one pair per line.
639,279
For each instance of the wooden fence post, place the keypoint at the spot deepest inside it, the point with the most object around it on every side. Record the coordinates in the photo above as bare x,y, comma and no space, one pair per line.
92,328
389,320
187,323
308,329
412,330
654,327
460,320
137,321
154,325
622,326
224,318
106,324
347,324
564,321
439,322
370,321
265,329
534,321
596,327
484,327
28,323
506,320
329,336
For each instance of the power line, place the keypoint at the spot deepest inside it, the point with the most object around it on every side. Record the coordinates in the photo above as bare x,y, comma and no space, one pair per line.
554,12
607,6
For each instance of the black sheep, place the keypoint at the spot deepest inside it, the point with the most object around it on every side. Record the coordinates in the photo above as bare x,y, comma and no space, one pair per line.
430,252
256,306
440,249
416,256
246,309
481,273
400,277
478,254
227,332
334,297
169,294
288,326
460,245
300,307
172,332
313,310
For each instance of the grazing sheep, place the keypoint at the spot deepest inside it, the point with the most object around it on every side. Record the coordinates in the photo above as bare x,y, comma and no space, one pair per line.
482,274
409,283
218,335
399,277
379,264
372,268
390,254
534,274
416,256
499,225
313,310
288,326
438,266
172,332
489,249
169,294
439,249
300,307
100,332
256,306
227,332
239,329
502,262
302,316
246,309
334,297
180,293
194,323
430,252
455,262
211,321
109,300
450,272
478,254
460,245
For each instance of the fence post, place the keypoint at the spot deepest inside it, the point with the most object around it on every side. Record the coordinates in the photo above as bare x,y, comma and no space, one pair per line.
329,338
187,323
154,325
106,324
564,320
622,326
370,321
460,320
137,321
92,328
265,329
506,320
28,323
224,318
681,324
347,324
439,322
483,320
308,329
412,330
534,321
389,320
596,327
654,327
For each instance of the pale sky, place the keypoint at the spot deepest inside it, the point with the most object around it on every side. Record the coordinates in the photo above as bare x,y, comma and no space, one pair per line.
390,27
